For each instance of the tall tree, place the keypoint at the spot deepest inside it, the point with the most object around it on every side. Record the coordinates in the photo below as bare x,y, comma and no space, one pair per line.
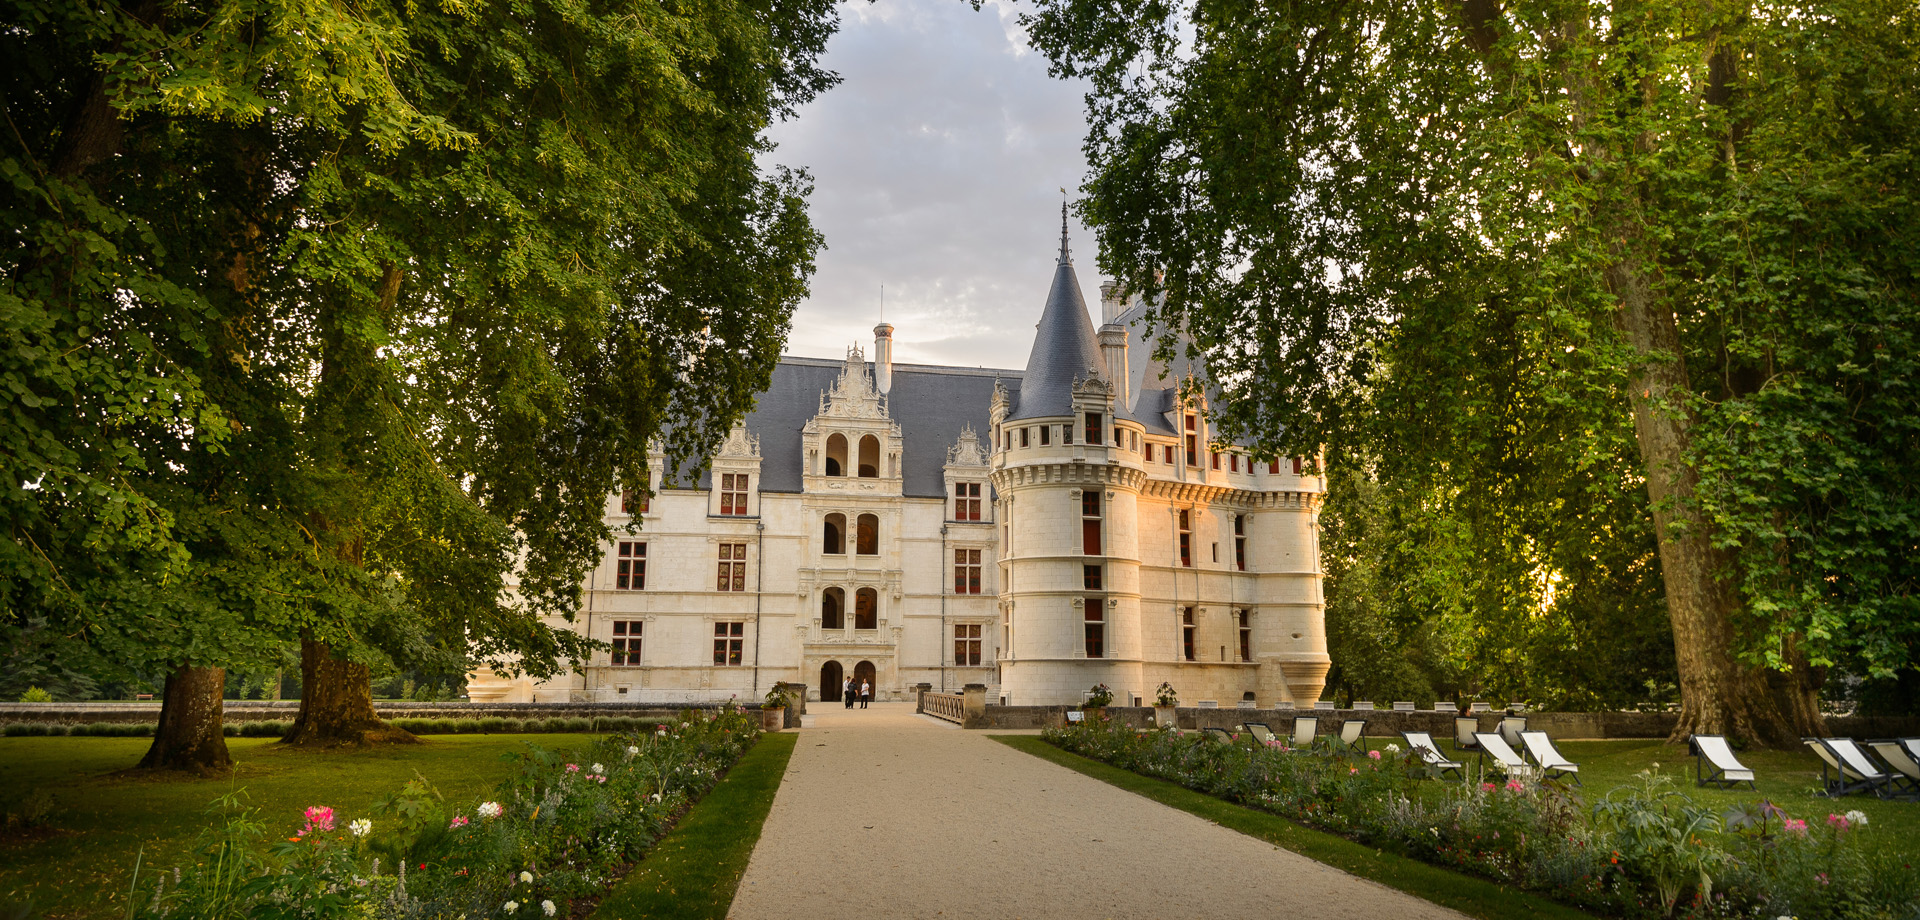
1708,208
346,312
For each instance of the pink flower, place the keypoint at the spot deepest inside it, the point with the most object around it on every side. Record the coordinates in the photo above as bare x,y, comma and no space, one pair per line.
1352,770
1374,755
1486,787
458,821
319,818
1514,785
573,768
1838,822
1796,827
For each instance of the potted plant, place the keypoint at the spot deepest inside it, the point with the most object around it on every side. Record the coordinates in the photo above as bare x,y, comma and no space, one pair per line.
1164,701
1098,699
773,712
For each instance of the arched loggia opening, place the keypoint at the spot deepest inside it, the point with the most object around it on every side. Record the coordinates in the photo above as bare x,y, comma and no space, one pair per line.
834,538
870,457
832,675
833,609
866,609
836,455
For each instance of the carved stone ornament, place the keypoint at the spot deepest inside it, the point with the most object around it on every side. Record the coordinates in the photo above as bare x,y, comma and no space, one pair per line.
966,449
740,445
853,394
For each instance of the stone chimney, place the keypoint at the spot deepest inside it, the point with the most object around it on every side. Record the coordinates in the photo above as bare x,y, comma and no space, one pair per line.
1113,301
883,357
1113,347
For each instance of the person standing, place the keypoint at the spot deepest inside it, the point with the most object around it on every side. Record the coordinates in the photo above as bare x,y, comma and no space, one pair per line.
846,692
866,693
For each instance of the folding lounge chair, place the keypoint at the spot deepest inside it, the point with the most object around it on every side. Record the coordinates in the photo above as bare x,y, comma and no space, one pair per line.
1218,734
1712,752
1464,730
1304,729
1503,754
1510,729
1551,761
1351,732
1852,770
1422,744
1903,755
1261,732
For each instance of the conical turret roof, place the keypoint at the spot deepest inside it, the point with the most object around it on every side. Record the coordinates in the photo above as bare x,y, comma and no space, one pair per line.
1064,347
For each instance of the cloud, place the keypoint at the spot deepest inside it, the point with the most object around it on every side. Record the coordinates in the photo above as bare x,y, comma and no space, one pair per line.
937,166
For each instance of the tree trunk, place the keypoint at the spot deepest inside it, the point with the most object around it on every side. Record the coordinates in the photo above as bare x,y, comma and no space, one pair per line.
1718,694
336,703
192,718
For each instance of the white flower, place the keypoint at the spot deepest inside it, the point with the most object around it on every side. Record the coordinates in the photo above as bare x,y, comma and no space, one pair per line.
631,750
599,769
548,908
488,810
360,828
526,876
512,907
1393,749
655,797
1857,817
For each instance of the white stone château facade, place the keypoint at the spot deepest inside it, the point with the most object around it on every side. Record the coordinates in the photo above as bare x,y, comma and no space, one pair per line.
1037,531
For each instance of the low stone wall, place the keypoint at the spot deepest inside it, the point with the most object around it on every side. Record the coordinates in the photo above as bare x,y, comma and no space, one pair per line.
263,710
1386,723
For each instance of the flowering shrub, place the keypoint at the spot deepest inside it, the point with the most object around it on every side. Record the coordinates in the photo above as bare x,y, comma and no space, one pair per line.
1645,850
554,831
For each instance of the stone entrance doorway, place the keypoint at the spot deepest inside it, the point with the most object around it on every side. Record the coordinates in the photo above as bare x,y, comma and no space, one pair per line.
831,677
864,671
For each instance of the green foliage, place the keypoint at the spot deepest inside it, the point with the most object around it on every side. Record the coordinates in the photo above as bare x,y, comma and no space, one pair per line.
321,318
1418,235
1100,696
35,695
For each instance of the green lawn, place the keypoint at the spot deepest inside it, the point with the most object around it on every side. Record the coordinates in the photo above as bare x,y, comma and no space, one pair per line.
82,868
695,870
1790,779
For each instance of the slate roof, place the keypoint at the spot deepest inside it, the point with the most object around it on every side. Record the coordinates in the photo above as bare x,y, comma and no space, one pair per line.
1064,347
930,403
1154,385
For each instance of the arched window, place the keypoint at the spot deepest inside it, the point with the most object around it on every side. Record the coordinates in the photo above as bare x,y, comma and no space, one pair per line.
866,606
836,455
869,457
867,538
833,609
835,538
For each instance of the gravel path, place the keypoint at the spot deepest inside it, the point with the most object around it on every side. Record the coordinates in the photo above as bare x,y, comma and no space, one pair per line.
884,813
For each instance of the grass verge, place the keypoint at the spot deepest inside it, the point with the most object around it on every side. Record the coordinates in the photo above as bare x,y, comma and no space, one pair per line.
78,867
694,871
1471,896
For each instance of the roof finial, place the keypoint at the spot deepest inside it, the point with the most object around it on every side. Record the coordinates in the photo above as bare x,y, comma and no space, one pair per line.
1066,254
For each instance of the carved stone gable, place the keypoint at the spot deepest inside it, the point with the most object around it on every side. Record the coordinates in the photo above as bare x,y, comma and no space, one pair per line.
740,444
853,395
966,450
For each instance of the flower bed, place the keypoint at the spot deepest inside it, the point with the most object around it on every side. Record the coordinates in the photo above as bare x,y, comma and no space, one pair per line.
1643,850
556,831
274,728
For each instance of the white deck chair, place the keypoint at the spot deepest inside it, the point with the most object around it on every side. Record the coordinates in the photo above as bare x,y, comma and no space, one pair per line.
1713,751
1903,755
1262,733
1464,730
1422,744
1852,770
1352,732
1510,729
1503,754
1304,729
1551,761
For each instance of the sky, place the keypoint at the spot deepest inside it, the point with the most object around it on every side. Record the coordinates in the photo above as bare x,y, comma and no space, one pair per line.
937,164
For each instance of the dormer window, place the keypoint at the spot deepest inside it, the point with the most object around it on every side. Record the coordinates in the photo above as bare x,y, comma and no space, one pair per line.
1193,440
1095,428
733,493
966,501
869,457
